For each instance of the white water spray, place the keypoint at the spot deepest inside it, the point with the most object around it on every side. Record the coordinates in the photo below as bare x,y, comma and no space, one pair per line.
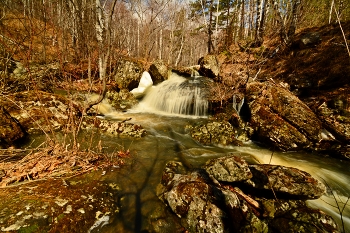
176,96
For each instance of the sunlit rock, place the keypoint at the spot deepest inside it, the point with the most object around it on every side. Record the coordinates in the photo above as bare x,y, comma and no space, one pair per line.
190,198
285,181
269,203
280,119
296,216
120,129
221,133
121,100
228,169
38,111
158,71
209,66
127,73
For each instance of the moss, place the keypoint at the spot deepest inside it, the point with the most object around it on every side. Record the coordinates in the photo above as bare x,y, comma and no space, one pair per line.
29,229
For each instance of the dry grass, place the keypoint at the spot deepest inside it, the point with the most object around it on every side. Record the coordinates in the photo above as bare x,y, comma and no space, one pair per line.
53,160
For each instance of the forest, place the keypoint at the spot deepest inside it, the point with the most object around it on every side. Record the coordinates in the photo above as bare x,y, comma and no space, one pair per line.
178,32
174,116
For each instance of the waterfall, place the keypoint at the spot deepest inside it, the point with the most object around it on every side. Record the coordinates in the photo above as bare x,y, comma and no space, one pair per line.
177,96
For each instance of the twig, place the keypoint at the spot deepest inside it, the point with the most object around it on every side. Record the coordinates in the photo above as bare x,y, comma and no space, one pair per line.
26,113
341,28
337,205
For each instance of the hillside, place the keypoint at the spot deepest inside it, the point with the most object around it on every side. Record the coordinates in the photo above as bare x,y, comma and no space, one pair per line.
319,70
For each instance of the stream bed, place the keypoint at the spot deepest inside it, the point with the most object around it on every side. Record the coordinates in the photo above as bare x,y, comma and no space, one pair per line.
166,140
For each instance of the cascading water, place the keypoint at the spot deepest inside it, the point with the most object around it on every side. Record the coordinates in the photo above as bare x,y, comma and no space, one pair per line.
167,140
177,96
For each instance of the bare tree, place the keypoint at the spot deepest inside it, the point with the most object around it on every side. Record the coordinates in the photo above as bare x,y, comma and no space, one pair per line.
103,36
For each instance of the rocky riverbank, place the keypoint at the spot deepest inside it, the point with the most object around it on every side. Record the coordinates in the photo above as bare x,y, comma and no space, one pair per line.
228,195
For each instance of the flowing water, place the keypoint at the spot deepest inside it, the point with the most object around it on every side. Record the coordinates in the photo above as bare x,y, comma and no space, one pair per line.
167,140
165,122
171,103
177,96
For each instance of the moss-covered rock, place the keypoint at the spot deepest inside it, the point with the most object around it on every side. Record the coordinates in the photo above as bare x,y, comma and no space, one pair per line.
207,201
221,133
280,119
127,73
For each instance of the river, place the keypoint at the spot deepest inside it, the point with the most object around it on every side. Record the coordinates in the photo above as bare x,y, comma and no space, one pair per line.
140,209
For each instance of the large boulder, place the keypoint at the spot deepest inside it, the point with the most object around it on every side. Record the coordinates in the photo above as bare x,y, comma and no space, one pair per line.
191,198
209,66
335,122
121,100
10,129
158,71
188,71
127,73
335,117
280,119
295,216
207,201
285,181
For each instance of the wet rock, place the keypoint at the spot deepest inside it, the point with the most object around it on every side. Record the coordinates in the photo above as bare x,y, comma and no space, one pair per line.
198,199
214,133
209,66
170,170
10,129
335,138
228,169
120,129
121,100
128,73
280,119
336,123
242,215
190,198
158,71
52,205
295,216
285,181
190,71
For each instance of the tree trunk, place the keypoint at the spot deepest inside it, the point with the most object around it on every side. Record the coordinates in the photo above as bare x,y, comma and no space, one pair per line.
242,25
257,24
217,24
280,21
103,36
292,26
259,33
210,32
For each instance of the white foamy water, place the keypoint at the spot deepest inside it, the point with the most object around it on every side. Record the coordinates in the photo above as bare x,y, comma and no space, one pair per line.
176,96
333,173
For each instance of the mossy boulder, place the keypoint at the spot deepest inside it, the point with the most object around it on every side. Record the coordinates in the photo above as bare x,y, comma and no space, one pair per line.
280,119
